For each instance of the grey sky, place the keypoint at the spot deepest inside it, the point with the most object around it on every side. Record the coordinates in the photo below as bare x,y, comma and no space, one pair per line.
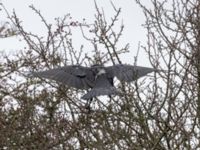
131,14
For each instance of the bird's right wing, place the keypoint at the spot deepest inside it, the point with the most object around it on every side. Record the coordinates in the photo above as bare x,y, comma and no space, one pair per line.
75,76
128,73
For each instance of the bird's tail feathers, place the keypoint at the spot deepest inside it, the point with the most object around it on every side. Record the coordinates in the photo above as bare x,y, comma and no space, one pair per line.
100,92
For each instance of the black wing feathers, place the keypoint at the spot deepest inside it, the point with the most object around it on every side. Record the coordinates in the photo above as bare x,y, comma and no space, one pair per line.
75,76
128,73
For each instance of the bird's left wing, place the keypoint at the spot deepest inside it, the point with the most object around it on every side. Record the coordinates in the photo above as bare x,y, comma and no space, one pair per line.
75,76
128,73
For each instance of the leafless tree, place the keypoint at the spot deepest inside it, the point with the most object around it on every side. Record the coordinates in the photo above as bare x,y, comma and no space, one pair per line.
173,34
158,112
7,29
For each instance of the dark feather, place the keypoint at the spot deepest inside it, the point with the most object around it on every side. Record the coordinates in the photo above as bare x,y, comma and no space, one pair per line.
103,86
75,76
128,73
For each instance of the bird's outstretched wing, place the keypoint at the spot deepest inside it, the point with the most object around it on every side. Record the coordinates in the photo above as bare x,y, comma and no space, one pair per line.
75,76
128,73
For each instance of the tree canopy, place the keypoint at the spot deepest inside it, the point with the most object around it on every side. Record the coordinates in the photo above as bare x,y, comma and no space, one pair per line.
158,112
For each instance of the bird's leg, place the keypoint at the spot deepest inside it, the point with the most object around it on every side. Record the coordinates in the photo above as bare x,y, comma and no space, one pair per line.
87,105
110,98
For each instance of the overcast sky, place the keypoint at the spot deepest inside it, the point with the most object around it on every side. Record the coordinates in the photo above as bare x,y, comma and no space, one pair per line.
131,15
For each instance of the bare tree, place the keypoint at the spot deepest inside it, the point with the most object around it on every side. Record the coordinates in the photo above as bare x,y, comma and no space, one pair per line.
158,112
7,29
173,44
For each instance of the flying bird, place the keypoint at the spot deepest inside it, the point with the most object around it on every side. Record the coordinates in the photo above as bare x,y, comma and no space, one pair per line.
97,78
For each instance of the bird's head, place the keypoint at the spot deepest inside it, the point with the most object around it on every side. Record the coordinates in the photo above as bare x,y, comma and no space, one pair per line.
99,69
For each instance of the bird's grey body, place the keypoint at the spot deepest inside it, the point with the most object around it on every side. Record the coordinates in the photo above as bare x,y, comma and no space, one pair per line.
103,85
97,78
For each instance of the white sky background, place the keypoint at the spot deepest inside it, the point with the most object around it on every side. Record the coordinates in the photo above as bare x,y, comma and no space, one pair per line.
131,14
